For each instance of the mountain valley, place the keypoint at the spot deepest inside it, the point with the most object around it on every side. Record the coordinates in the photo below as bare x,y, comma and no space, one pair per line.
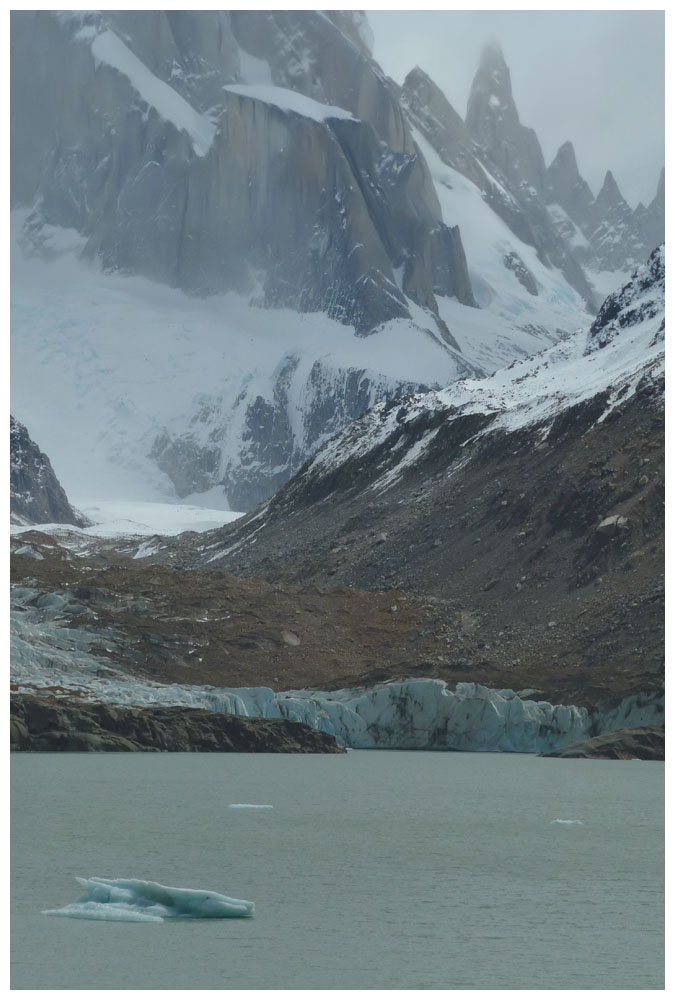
251,272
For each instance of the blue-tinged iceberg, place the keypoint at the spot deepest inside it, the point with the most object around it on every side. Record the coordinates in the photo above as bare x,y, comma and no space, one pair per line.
131,899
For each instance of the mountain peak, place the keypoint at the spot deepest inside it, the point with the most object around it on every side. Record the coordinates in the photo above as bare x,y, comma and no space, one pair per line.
567,156
566,186
492,57
492,78
492,120
609,192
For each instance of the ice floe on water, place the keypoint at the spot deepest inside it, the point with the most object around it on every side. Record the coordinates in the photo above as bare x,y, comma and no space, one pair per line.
248,805
136,901
566,822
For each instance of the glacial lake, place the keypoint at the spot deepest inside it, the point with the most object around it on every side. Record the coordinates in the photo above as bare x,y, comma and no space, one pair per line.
373,870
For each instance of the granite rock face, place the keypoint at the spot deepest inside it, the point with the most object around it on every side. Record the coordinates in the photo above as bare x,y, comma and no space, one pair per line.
501,156
70,725
263,153
36,496
142,131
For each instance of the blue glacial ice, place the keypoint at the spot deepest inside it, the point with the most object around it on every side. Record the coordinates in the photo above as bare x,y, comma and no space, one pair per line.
136,901
412,714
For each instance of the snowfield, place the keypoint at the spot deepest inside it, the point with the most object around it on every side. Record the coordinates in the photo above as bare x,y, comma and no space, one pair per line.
103,365
123,518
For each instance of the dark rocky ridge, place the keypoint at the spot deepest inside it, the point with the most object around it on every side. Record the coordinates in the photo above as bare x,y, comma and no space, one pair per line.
641,743
36,495
499,537
640,299
39,724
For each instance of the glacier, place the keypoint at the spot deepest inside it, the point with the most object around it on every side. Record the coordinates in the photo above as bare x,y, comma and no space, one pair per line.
136,901
412,714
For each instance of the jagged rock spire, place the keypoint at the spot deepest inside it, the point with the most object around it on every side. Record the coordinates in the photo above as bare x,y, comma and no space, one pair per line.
493,121
566,186
650,221
610,195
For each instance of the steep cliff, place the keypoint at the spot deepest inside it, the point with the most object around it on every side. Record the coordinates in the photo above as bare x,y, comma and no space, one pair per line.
36,496
214,151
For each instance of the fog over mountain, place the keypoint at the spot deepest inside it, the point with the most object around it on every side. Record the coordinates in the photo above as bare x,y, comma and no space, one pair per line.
594,77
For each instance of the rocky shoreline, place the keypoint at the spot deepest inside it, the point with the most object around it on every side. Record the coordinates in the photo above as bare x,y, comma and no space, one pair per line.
44,724
640,743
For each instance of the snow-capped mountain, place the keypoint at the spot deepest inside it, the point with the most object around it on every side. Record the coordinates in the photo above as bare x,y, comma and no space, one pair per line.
527,505
234,235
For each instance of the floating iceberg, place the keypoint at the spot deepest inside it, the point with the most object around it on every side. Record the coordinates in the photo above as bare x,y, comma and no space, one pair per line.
131,899
248,805
566,822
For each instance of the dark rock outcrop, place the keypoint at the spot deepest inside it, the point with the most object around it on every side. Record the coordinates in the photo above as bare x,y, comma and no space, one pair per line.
642,298
641,743
38,723
615,242
36,496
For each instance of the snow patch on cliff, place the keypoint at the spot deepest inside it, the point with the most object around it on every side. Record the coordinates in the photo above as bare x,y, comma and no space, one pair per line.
289,100
107,48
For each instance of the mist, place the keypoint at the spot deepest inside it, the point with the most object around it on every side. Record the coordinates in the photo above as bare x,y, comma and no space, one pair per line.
596,78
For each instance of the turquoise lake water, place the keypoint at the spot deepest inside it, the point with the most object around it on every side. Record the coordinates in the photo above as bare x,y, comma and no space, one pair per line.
373,870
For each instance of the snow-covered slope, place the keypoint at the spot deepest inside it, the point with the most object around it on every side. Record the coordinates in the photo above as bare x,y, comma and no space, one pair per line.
513,319
168,395
624,347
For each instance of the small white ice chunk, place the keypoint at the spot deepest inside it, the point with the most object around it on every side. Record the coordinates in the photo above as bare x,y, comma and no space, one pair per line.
566,822
132,899
247,805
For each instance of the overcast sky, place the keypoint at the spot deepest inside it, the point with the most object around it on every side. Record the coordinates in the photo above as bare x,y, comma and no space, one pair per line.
594,77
